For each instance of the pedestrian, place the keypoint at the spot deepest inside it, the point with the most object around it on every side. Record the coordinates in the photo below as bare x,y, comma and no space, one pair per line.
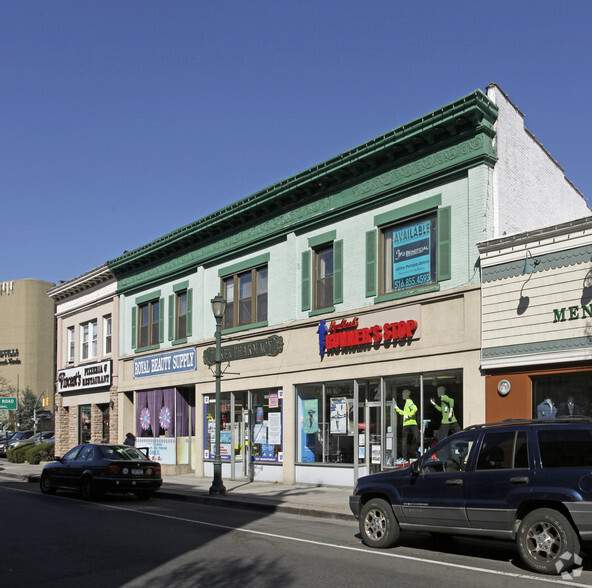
130,439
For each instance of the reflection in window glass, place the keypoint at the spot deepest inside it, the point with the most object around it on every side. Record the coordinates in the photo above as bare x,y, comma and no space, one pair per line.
562,395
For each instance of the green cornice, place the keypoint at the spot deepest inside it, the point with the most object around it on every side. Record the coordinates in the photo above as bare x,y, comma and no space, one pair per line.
446,141
554,260
512,351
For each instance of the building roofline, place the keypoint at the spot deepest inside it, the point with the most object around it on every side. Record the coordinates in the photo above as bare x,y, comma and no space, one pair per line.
82,283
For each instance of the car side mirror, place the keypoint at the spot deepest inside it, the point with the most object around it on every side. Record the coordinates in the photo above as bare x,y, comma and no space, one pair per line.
57,458
416,468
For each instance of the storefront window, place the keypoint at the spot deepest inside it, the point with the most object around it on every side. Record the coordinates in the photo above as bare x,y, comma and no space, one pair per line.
84,423
154,413
260,431
562,395
326,417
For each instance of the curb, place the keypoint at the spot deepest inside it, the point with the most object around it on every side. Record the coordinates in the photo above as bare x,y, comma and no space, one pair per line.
223,501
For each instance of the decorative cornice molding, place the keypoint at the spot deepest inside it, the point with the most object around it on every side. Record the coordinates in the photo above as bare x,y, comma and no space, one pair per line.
83,283
559,345
420,148
555,260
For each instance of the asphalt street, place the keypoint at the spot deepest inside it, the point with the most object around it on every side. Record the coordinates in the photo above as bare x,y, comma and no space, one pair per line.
120,541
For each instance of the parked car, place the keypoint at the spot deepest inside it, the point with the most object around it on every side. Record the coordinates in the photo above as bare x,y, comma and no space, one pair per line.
527,481
42,436
4,447
95,469
6,436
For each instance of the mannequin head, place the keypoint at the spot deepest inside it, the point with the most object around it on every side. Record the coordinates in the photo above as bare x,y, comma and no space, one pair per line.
406,394
441,390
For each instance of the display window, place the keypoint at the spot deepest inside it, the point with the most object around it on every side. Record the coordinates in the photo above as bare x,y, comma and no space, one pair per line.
326,423
251,426
562,395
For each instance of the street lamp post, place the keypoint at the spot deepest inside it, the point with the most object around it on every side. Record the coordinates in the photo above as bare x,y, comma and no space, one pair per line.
218,308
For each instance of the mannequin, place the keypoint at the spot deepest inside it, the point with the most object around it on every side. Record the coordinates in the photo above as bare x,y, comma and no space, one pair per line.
410,428
569,408
547,409
449,423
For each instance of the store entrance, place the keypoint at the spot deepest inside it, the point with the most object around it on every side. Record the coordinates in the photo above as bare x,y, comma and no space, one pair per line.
374,436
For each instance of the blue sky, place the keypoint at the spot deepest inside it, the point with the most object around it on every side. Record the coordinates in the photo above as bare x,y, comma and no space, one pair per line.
124,120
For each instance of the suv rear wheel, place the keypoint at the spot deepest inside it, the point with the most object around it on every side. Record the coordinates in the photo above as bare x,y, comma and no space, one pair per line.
547,542
378,525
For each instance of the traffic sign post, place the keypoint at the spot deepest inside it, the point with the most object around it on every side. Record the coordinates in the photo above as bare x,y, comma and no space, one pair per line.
8,403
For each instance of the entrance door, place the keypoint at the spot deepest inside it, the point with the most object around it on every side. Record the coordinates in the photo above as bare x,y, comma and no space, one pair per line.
374,436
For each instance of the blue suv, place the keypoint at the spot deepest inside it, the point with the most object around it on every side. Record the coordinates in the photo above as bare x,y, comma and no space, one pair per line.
529,481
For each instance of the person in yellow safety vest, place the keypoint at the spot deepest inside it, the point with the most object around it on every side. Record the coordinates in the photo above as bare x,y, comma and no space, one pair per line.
410,435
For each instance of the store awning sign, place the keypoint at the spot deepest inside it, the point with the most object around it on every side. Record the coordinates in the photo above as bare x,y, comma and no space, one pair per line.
271,347
183,360
94,375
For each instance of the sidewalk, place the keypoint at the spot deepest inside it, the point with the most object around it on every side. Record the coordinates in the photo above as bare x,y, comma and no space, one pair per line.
316,501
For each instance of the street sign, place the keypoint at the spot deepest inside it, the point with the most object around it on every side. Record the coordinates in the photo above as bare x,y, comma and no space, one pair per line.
8,403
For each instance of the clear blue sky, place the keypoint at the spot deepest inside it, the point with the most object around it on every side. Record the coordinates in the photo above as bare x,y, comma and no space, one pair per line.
124,120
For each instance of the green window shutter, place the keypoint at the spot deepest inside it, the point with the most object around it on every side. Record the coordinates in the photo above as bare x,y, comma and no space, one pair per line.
134,326
171,316
306,257
337,272
371,253
189,311
161,320
444,244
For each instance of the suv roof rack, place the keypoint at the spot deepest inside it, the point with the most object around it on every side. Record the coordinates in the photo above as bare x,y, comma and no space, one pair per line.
566,419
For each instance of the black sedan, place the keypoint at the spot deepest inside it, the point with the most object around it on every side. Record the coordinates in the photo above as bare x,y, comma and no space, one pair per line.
95,469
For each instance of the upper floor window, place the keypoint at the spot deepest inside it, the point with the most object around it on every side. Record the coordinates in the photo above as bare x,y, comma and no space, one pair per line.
107,335
181,315
88,340
71,344
246,297
410,250
323,276
149,323
322,273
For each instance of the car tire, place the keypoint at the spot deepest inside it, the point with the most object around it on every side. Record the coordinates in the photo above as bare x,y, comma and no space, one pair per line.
547,542
378,524
87,489
45,485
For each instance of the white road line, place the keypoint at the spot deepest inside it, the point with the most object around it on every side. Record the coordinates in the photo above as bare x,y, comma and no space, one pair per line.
378,553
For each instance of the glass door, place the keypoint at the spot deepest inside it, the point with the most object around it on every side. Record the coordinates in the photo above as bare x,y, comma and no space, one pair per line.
374,436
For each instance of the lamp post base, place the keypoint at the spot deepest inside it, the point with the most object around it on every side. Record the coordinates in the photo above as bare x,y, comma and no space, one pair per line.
217,488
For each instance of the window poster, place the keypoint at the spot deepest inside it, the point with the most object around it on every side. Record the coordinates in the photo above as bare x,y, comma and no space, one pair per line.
310,409
275,428
260,434
412,254
273,400
338,415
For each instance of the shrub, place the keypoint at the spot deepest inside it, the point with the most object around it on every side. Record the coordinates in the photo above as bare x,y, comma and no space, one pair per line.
17,454
39,453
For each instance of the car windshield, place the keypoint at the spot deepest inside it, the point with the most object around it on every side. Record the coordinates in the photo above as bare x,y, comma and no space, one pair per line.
122,452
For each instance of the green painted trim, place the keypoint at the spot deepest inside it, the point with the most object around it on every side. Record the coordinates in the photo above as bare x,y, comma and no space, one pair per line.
444,262
554,260
171,328
236,268
381,190
189,326
322,239
407,293
180,341
306,280
149,348
338,272
371,262
161,312
321,311
134,326
536,348
181,286
245,328
147,297
409,210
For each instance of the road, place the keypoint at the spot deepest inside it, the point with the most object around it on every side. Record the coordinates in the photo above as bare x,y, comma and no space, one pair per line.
63,541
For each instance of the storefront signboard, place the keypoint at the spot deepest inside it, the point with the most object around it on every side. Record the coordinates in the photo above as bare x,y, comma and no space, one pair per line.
368,331
271,347
160,449
183,360
94,375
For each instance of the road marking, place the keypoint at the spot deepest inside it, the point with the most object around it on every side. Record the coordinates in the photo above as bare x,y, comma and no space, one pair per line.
539,578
